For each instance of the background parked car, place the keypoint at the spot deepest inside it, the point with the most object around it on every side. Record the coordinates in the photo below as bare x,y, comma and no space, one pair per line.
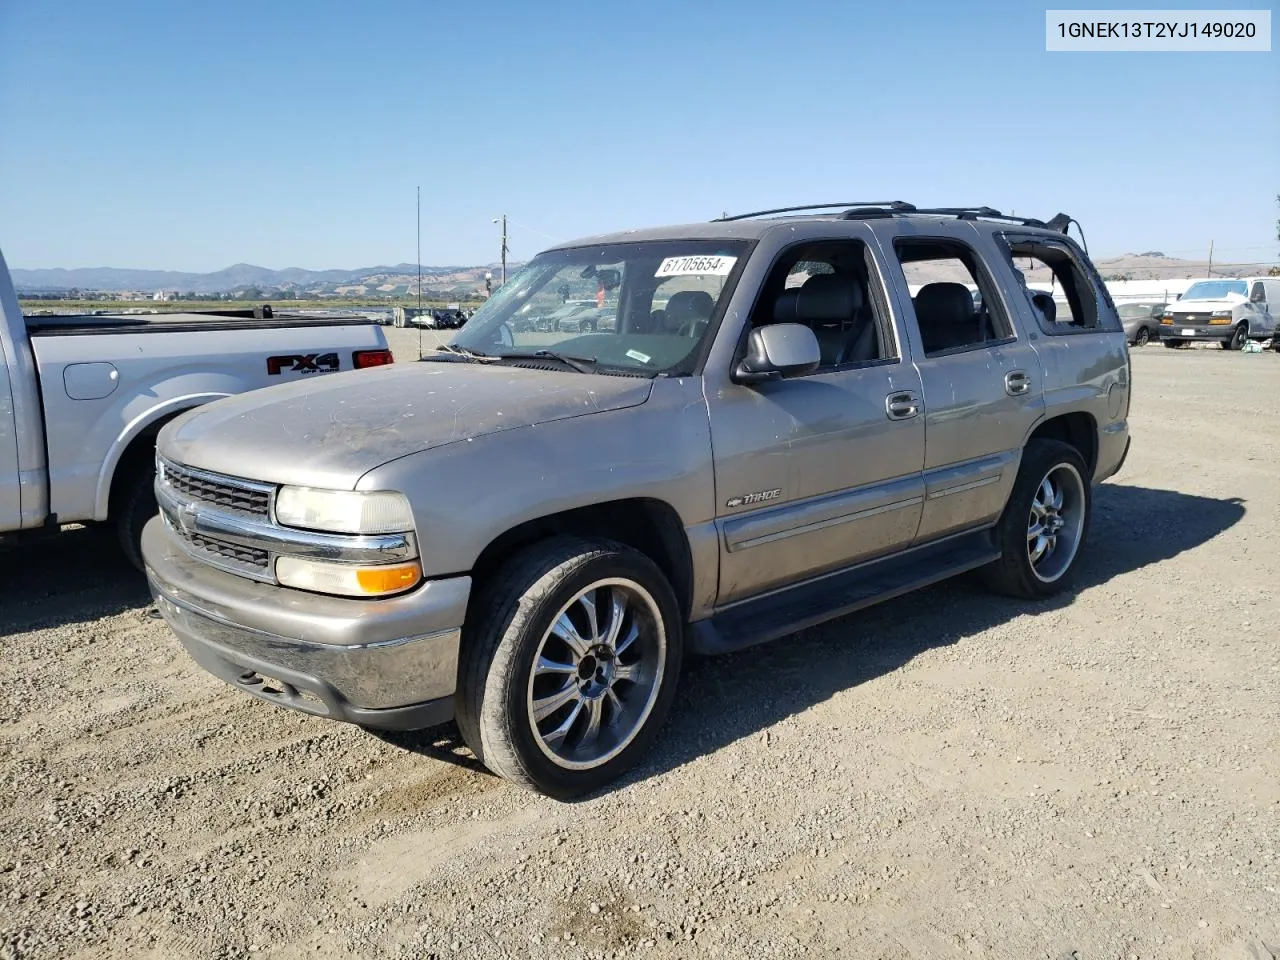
1141,321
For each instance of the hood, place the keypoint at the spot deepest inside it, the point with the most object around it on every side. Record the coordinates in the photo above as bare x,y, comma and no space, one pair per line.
1230,301
331,430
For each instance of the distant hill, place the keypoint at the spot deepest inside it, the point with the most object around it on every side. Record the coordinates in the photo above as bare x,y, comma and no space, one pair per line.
241,276
1156,266
401,279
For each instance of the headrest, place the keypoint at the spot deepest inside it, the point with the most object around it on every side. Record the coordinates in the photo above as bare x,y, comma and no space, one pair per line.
829,297
944,303
1045,304
784,308
689,305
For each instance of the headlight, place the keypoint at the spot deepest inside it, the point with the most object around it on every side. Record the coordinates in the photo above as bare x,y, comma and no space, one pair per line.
1222,314
343,511
320,576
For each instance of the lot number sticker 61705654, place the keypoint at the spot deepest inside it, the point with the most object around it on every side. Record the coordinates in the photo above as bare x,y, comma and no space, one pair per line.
696,266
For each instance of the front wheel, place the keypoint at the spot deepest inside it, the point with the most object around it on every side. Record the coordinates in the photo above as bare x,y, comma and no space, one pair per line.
1238,336
571,666
1043,524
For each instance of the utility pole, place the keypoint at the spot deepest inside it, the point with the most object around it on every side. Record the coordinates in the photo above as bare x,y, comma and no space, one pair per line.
418,318
503,221
1210,273
419,251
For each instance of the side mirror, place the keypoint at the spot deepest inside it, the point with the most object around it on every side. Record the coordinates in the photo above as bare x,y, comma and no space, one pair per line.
777,351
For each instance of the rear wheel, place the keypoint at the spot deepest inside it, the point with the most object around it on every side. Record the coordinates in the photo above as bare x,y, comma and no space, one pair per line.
1043,524
1142,338
571,666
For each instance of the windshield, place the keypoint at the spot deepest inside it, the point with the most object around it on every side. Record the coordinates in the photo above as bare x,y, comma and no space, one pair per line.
640,307
1215,289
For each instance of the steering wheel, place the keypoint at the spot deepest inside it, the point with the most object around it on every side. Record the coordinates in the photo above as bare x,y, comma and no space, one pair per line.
692,328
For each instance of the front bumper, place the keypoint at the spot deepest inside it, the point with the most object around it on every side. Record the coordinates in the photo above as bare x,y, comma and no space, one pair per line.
1200,332
388,664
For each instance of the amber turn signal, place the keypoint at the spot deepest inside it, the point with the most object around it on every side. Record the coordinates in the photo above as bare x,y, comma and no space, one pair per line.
391,579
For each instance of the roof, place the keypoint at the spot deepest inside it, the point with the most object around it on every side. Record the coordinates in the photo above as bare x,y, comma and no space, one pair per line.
756,225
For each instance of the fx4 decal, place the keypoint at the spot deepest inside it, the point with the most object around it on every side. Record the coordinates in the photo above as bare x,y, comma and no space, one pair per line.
760,496
302,363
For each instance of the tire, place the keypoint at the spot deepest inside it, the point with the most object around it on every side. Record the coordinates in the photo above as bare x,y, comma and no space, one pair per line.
1238,336
1142,337
1172,344
1019,572
133,504
516,618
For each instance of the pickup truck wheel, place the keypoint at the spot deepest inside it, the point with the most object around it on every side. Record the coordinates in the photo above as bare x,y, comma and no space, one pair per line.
1044,522
133,504
571,669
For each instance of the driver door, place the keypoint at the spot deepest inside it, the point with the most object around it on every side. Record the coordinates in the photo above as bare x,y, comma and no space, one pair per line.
823,471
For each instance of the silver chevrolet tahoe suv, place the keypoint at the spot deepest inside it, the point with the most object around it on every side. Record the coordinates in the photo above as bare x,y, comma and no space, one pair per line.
531,528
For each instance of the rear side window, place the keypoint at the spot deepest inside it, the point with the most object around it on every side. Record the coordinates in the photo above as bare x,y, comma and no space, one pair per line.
1063,297
953,297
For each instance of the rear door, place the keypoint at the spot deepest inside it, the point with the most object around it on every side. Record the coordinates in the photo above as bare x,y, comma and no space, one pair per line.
1263,321
982,384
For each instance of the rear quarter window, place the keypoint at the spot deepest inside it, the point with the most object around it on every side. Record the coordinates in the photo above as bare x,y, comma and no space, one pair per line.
1065,293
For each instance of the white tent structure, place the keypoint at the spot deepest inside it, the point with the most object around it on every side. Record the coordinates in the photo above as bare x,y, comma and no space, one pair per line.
1122,291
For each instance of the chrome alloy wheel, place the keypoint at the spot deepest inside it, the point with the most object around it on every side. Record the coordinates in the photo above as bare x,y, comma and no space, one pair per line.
596,674
1056,524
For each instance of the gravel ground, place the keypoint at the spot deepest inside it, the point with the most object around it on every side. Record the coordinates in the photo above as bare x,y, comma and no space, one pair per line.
946,775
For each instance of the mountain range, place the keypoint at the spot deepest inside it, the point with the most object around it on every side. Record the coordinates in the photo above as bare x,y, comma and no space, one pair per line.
242,276
401,279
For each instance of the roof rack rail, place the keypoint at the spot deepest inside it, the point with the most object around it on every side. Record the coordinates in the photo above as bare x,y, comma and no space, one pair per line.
895,206
1060,223
975,213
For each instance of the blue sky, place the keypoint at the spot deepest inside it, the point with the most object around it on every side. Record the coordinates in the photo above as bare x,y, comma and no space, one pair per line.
192,136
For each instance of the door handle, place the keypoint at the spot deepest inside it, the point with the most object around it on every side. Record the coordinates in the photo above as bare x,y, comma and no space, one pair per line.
902,405
1016,382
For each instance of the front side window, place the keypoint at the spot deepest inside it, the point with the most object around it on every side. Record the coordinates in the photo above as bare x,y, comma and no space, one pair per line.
833,288
1259,295
635,308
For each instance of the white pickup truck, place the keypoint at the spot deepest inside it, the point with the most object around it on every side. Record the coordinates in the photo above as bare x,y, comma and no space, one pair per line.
83,397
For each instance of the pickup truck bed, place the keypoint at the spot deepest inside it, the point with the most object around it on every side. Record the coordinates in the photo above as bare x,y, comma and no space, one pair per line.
66,325
82,397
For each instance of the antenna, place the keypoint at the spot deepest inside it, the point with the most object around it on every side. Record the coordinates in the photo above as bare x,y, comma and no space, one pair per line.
418,318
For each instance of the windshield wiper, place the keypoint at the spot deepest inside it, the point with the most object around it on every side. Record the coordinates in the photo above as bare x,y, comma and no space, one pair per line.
456,351
581,364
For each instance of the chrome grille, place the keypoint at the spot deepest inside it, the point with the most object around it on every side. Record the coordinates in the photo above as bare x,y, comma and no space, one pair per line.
232,557
228,551
240,496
